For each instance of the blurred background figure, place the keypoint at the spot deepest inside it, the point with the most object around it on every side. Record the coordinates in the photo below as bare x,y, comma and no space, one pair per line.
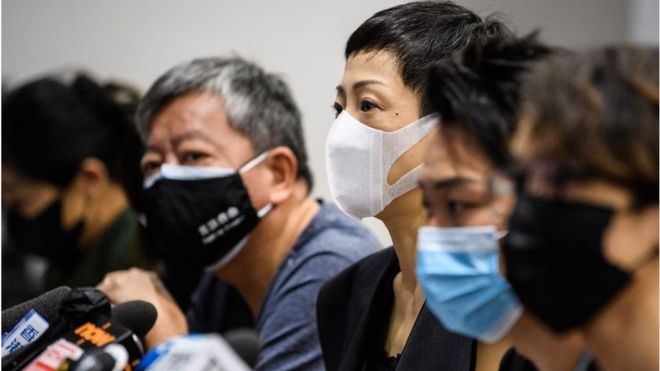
67,148
469,201
582,247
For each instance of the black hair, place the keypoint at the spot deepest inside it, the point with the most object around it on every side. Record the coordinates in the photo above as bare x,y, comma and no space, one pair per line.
479,90
420,34
49,128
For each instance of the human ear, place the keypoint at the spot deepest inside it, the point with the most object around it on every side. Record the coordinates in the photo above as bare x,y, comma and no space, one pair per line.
92,177
283,165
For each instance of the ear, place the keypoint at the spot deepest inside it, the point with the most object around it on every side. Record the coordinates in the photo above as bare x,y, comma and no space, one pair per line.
283,165
92,177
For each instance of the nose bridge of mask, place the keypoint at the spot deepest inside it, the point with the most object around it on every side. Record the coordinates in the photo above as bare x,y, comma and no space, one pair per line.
185,172
460,239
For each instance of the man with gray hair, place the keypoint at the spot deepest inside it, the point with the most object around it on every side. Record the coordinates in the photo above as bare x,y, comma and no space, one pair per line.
227,190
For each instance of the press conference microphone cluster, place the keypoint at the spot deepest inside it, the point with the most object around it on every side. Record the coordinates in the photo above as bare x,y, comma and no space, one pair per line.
74,330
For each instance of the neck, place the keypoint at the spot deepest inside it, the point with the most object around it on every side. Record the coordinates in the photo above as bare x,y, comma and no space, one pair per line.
546,350
403,217
630,320
102,211
267,248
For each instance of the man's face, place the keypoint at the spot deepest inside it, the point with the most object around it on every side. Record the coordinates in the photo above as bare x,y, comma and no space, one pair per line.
193,130
460,185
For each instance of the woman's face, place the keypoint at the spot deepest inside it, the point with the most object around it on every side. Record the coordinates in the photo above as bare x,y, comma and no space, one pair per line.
372,91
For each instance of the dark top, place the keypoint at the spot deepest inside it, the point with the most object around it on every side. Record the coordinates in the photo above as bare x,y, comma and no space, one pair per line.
513,361
286,322
353,313
114,249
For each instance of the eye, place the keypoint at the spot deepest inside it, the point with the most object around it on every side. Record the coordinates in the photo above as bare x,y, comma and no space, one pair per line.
455,207
428,207
150,167
366,106
192,157
337,108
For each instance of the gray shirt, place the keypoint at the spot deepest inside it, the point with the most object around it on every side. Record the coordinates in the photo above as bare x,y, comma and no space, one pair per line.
287,321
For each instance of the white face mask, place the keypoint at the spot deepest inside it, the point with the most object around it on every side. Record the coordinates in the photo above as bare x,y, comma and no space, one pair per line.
358,159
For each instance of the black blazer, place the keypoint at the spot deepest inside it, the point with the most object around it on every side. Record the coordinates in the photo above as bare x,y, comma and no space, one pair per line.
346,310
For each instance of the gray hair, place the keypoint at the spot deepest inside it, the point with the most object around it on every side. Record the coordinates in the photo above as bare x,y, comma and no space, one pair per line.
258,104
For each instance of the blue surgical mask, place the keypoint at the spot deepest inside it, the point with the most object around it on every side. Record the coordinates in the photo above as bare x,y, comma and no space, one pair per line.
458,269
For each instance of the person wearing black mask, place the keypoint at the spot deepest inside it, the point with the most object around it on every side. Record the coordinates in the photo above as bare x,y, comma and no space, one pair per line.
582,247
63,162
227,189
469,201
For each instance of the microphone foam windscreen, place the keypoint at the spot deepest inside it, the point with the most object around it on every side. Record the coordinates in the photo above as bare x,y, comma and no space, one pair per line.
246,343
46,304
136,315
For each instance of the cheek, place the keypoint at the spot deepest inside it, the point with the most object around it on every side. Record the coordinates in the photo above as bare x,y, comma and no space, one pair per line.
31,201
257,182
622,245
73,207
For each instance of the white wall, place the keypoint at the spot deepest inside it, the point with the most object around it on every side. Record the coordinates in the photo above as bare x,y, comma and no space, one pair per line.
136,40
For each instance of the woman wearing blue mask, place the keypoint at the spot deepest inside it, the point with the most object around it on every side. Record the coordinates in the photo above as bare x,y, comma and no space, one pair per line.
582,248
469,203
372,315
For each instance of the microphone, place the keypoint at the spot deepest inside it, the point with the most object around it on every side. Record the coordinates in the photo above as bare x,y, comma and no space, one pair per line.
111,358
245,342
46,304
86,324
137,315
204,352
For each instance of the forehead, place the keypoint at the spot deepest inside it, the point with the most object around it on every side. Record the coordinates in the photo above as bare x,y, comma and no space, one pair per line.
453,153
379,65
200,113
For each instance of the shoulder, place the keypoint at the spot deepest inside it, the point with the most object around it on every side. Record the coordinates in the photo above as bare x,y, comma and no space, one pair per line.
364,273
334,232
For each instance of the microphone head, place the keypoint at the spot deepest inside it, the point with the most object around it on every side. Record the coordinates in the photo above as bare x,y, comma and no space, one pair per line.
83,301
46,304
136,315
246,343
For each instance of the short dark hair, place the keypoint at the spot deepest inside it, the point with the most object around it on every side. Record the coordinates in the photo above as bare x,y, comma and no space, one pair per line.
258,104
478,91
49,127
421,33
597,111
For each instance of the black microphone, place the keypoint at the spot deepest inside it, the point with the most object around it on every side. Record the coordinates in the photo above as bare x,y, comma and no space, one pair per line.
246,343
46,304
137,315
87,323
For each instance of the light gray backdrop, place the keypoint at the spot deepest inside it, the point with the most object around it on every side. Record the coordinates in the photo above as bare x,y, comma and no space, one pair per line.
303,40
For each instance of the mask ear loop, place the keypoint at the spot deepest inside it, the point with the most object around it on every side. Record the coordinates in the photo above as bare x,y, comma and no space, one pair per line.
249,166
254,162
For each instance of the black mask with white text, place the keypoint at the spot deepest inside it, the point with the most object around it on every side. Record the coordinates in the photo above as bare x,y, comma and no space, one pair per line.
200,216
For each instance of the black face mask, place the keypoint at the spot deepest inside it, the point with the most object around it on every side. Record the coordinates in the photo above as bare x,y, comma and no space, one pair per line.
198,218
43,235
555,263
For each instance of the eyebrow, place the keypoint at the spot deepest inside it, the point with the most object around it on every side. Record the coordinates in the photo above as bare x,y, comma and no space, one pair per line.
360,85
440,184
192,134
